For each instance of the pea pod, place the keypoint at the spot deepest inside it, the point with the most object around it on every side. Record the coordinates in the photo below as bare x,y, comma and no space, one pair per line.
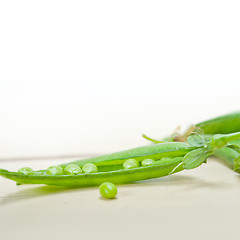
109,163
171,158
225,124
159,169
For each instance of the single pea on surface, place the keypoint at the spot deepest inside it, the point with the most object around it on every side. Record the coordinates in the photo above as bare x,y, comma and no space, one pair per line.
147,162
26,171
89,168
54,170
130,163
108,190
72,169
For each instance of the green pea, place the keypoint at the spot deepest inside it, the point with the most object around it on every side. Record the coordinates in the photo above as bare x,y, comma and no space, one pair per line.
54,170
72,169
90,168
147,162
26,171
108,190
130,163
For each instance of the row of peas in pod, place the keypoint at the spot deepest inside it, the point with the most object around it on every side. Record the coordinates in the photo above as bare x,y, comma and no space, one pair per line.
73,169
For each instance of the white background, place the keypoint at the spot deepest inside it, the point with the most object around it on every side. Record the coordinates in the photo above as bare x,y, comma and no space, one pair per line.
80,77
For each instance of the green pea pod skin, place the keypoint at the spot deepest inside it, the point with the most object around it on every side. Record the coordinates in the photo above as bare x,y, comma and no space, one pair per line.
156,151
229,123
227,154
230,156
110,165
158,169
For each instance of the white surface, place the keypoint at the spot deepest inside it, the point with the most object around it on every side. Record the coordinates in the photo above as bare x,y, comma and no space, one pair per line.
91,76
197,204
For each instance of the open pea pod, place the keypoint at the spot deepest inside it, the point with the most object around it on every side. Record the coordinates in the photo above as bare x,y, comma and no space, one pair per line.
167,158
110,167
121,176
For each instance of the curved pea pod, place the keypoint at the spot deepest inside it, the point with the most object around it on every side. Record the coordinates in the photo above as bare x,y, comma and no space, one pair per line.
221,125
112,164
158,169
156,151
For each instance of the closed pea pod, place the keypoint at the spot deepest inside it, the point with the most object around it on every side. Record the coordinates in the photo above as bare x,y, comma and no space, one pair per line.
225,124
